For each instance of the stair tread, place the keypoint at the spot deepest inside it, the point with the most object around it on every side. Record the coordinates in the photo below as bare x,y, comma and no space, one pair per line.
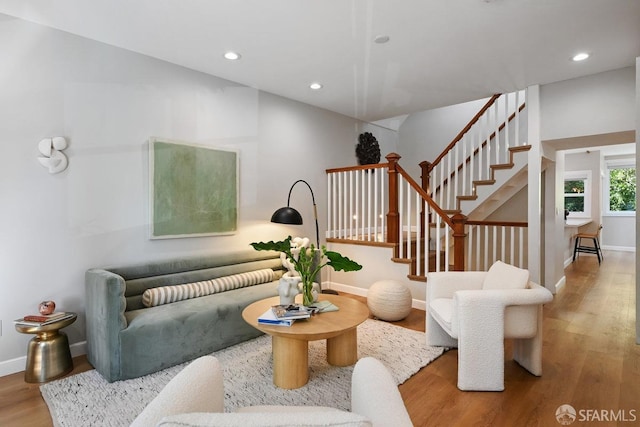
485,182
502,166
520,148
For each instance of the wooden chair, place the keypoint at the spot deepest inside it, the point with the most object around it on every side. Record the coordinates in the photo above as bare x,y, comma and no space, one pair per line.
594,249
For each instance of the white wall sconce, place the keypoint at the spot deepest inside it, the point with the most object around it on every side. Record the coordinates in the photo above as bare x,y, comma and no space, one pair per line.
54,159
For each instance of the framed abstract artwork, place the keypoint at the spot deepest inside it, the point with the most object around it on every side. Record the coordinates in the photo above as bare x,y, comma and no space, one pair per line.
193,190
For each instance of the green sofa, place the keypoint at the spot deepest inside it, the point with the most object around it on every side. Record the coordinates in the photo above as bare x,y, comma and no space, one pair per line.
125,339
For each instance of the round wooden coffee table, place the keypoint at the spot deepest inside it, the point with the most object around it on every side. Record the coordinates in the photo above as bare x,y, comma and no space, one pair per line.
290,344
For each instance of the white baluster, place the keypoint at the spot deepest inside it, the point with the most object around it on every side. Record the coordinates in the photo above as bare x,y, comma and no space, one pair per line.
497,125
471,230
521,245
369,205
512,258
383,218
472,148
375,204
418,233
350,203
516,123
504,243
441,169
449,189
464,164
438,243
506,124
400,216
455,171
486,248
446,253
363,194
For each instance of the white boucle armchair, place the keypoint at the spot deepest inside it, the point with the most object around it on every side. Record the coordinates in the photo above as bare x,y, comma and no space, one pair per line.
475,311
195,398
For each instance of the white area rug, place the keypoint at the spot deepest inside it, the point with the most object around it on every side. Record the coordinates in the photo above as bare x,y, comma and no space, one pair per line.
87,399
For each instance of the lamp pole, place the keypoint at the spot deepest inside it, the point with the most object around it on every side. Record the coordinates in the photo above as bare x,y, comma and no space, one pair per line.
315,208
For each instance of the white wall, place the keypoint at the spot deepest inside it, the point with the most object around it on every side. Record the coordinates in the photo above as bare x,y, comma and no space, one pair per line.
423,135
592,105
618,233
107,102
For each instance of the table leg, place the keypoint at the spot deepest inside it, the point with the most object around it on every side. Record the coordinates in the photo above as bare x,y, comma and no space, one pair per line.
290,362
342,350
48,357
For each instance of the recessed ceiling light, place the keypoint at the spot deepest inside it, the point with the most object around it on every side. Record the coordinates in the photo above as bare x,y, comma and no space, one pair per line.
580,56
232,56
380,39
315,86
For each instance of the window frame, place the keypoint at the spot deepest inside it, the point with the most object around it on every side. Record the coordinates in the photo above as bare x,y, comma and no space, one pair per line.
584,175
629,162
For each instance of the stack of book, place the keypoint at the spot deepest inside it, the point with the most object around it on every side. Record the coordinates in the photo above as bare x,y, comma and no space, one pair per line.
43,319
284,315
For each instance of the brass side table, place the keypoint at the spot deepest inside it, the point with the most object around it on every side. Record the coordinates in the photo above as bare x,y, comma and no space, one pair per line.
48,354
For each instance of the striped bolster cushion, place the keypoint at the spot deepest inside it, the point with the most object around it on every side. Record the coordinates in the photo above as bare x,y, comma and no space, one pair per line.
168,294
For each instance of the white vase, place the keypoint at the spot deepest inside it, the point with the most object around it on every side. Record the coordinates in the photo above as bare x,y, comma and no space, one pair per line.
288,289
315,291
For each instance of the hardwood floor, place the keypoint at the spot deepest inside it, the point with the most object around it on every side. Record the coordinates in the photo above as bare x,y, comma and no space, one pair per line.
590,361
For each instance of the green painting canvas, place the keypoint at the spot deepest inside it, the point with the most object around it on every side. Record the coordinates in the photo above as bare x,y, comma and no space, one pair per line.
194,190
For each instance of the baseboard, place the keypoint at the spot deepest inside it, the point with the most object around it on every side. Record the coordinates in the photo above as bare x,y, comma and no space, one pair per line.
415,303
12,366
619,248
345,288
561,283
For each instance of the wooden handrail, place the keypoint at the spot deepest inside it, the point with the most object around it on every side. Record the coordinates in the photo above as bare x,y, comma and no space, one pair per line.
464,130
358,168
425,196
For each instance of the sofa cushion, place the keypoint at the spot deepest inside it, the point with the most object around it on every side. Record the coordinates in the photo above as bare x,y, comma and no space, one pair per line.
505,276
267,419
158,337
167,294
284,408
441,309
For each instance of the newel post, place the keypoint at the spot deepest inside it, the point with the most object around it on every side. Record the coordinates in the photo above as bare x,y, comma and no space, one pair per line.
425,166
393,224
459,236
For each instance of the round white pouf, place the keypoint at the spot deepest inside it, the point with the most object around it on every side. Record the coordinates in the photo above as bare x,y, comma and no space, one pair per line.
389,300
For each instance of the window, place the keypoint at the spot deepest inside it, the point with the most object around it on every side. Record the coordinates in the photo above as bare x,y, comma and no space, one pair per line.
577,193
620,187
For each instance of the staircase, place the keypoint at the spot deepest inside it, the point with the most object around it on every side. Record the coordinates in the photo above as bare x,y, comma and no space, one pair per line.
440,224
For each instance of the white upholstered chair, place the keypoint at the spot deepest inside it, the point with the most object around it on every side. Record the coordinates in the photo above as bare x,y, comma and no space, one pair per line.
195,398
476,310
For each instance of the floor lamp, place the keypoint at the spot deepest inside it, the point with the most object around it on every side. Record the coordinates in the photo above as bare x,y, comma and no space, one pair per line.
288,215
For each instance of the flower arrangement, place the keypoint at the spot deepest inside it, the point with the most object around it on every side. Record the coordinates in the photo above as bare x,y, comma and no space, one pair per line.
302,257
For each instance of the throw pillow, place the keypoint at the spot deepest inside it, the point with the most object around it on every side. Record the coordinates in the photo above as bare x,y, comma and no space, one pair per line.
505,276
167,294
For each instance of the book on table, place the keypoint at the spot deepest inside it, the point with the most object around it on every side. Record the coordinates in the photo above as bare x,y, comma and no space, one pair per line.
291,311
269,318
43,319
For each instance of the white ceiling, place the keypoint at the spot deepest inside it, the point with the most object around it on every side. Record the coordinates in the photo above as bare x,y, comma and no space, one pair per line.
441,52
